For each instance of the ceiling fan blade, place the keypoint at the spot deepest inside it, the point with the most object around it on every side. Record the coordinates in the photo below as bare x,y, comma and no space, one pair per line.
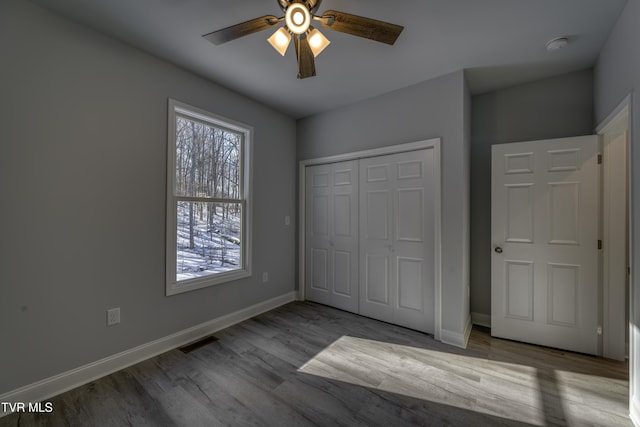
306,63
239,30
368,28
313,5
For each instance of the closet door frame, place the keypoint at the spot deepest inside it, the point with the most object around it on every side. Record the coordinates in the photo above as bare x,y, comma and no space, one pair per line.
434,144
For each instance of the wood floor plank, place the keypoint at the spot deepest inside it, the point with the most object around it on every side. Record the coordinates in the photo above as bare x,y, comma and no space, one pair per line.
304,364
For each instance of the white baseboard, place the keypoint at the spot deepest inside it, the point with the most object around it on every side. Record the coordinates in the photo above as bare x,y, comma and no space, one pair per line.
457,339
481,319
49,387
634,411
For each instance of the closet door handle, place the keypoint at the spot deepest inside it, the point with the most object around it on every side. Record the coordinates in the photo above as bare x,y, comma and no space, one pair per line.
498,250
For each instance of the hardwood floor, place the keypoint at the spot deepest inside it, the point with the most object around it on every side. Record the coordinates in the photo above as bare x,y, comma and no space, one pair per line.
305,364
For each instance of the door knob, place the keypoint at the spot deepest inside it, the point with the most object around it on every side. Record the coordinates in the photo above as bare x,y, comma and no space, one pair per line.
498,250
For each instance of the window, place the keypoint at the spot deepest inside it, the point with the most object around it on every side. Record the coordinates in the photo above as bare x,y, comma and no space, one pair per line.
208,199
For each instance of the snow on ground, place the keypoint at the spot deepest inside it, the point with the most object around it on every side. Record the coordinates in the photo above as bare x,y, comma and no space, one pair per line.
216,249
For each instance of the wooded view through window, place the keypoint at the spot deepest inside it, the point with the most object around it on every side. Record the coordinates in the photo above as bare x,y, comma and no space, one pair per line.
208,198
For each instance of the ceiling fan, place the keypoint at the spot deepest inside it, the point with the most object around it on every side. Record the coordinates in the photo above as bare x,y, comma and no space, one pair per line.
308,41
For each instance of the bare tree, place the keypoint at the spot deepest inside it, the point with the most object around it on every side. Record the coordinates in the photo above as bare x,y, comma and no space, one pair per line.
208,165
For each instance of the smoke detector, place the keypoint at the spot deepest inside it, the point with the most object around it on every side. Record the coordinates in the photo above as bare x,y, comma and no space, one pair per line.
557,43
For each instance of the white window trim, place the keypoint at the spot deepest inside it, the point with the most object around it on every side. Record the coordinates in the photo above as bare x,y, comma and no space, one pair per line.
172,286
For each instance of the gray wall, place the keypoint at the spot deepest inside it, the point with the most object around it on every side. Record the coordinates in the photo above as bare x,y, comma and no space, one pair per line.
617,74
431,109
556,107
83,134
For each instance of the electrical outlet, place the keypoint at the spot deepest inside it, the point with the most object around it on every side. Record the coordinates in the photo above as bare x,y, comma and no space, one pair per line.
287,220
113,316
265,277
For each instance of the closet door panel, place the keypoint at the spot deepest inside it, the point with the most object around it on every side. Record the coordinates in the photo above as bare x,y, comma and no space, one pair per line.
317,205
331,253
319,267
343,265
397,231
410,274
414,239
376,223
344,236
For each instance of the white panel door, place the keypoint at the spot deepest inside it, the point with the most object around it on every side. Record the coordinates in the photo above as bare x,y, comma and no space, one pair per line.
397,194
331,272
544,228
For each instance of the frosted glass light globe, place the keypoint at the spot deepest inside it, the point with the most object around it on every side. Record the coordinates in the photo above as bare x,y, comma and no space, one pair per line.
298,18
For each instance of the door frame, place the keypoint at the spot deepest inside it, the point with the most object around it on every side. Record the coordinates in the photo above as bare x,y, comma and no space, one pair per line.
433,143
618,121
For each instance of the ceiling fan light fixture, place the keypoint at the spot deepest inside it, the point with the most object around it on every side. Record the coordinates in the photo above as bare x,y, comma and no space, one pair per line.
309,42
280,40
298,18
317,41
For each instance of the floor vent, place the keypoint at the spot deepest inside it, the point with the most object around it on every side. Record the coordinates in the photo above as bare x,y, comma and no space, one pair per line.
197,344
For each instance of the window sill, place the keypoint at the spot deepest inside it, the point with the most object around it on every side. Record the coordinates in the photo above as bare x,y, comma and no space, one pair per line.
175,288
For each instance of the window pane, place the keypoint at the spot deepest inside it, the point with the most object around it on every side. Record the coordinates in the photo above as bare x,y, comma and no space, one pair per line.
208,239
207,160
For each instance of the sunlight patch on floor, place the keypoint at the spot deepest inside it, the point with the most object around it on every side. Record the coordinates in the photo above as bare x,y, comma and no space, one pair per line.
517,392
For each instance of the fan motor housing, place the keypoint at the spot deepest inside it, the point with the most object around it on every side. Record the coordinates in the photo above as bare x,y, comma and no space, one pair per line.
311,4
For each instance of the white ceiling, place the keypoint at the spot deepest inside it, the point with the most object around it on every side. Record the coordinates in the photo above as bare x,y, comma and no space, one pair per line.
499,42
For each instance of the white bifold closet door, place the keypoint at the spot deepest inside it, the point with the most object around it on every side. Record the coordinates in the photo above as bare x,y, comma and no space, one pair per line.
331,258
370,237
397,194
